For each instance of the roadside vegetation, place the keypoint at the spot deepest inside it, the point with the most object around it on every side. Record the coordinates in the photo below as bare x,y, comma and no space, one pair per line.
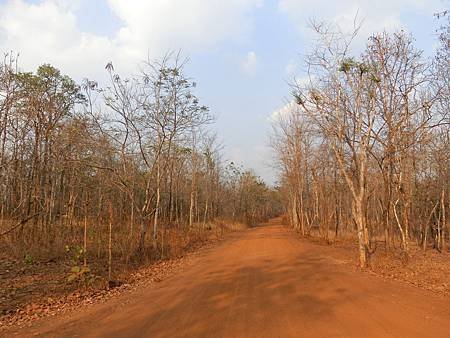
97,180
363,152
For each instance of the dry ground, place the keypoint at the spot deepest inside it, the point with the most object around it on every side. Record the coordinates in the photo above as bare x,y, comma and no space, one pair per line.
263,282
428,269
38,288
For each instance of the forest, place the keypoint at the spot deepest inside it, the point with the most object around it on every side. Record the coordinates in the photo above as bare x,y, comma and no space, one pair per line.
128,172
364,149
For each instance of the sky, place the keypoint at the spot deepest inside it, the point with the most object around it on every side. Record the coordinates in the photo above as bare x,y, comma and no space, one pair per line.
242,53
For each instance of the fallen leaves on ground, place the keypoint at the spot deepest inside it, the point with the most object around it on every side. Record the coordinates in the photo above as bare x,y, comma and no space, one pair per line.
32,292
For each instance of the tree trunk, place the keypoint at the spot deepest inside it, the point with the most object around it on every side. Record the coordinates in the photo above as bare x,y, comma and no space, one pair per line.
158,199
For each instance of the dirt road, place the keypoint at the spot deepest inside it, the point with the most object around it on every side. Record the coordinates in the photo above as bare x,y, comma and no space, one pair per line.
264,282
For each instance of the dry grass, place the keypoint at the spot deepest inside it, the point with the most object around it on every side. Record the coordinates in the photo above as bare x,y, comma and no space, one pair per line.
34,269
428,269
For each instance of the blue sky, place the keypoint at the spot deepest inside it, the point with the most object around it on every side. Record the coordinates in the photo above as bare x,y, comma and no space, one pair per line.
242,52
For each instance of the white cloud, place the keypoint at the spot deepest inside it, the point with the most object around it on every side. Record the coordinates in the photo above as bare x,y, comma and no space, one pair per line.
376,16
291,106
250,64
282,112
47,31
181,23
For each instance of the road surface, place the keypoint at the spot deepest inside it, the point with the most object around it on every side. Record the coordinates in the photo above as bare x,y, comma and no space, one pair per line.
263,282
